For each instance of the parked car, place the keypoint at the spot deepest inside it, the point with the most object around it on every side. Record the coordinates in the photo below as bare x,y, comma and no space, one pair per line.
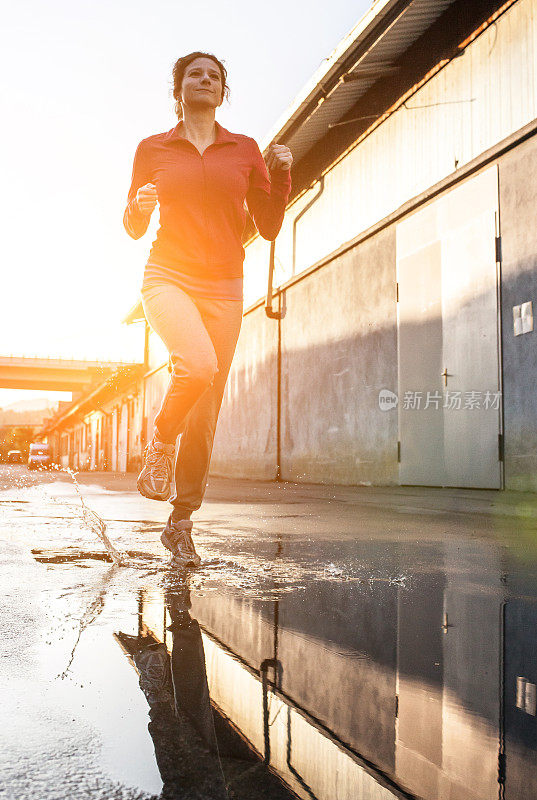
40,456
14,457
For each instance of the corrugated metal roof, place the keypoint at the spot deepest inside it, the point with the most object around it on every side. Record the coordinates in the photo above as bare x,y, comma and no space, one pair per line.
116,382
364,56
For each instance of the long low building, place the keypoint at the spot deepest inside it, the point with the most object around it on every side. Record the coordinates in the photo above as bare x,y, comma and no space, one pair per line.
388,334
101,429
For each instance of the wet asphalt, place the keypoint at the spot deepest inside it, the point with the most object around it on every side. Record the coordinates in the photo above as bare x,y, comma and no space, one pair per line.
337,643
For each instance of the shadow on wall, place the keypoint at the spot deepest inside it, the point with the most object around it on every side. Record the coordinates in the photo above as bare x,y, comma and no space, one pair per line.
334,352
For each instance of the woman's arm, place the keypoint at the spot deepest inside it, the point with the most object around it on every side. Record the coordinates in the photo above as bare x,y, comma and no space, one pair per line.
267,197
135,221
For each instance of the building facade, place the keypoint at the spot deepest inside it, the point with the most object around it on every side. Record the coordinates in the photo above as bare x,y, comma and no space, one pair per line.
395,342
102,429
406,266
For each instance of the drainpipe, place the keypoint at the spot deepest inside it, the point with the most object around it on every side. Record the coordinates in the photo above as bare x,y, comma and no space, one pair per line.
277,315
268,302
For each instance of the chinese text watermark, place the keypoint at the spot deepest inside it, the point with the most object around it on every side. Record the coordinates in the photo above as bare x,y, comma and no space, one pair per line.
450,400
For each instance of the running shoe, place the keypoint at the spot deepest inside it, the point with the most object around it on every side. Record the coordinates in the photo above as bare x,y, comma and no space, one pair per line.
152,661
155,479
177,538
153,664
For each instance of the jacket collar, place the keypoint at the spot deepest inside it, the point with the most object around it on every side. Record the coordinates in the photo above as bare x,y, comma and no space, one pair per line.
222,135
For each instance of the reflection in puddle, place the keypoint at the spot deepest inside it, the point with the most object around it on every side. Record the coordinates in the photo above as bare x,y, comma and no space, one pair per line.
196,746
71,555
333,669
428,692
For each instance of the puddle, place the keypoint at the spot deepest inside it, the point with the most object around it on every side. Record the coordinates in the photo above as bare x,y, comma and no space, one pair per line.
75,556
327,670
289,665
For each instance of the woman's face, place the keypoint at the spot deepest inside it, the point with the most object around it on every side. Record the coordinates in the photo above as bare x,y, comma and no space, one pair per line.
202,84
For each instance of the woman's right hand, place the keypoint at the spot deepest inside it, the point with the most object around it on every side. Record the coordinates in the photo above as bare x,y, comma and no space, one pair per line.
146,198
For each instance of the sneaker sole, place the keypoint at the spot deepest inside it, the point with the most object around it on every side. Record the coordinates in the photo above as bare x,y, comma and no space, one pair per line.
151,495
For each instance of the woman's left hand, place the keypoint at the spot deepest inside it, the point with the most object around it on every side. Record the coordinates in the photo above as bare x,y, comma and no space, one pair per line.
278,157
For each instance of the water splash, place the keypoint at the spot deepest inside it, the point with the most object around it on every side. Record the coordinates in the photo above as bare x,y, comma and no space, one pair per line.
95,523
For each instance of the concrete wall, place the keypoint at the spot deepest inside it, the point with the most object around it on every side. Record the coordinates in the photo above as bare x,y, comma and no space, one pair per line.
245,440
338,351
518,206
339,336
318,635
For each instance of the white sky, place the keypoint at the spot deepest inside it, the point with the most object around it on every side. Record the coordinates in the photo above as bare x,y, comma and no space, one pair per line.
80,84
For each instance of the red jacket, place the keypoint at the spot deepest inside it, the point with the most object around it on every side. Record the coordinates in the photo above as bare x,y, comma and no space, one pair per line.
201,199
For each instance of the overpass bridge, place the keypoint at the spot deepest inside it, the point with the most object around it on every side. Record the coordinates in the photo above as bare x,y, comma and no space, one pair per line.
54,374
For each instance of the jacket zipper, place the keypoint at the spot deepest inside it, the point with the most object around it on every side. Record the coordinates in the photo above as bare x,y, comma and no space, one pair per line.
206,243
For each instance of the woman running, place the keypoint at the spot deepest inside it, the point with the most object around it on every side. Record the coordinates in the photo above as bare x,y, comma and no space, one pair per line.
192,291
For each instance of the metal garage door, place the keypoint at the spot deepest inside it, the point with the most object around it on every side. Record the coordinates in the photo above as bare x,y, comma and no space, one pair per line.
448,339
